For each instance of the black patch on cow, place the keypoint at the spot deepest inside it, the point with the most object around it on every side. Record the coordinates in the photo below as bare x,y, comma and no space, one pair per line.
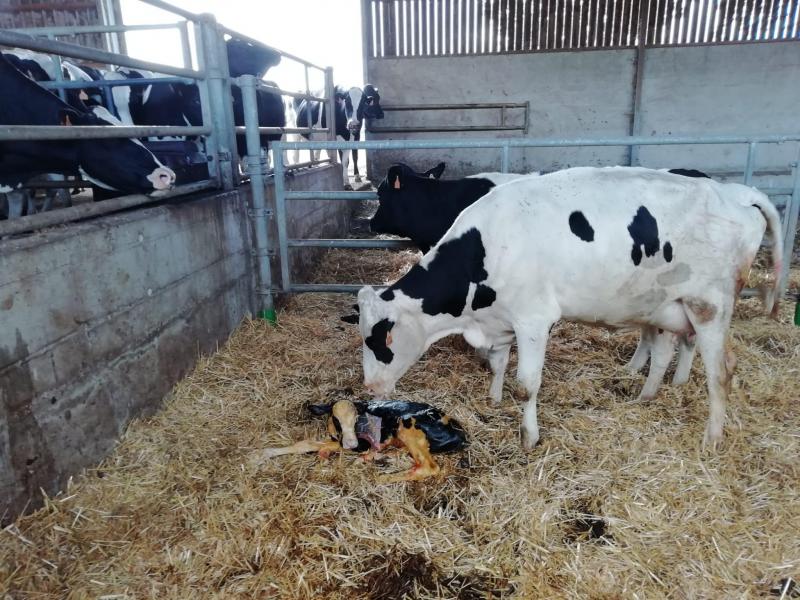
580,226
690,173
376,341
444,285
668,252
644,232
484,297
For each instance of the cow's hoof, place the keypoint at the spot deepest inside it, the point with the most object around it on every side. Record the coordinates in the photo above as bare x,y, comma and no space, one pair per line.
713,436
529,439
357,179
348,187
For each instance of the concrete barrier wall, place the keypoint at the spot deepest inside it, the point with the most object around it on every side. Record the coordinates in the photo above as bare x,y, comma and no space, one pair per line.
98,320
740,88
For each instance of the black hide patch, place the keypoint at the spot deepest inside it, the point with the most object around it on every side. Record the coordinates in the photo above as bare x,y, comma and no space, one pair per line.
444,285
644,232
580,226
668,252
376,341
484,297
690,173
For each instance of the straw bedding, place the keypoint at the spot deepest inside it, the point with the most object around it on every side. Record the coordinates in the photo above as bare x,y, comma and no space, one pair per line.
618,500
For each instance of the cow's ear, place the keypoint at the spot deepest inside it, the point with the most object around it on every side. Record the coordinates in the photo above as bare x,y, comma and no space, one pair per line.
395,177
435,172
320,409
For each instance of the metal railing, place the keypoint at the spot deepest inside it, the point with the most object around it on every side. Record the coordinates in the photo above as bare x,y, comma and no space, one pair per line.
503,107
791,204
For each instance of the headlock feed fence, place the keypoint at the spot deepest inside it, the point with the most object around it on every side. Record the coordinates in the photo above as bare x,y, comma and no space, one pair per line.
453,27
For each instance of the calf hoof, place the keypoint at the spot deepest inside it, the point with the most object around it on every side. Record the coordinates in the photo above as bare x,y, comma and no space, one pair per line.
348,187
712,436
529,439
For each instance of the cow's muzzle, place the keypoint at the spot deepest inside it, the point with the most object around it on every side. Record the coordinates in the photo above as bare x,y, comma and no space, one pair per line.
163,178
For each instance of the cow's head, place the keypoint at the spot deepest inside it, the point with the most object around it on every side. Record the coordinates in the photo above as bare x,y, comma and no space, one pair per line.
394,194
350,100
247,58
394,339
189,102
124,165
370,105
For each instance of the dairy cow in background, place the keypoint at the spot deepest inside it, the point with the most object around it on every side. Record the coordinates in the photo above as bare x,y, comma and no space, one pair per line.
619,247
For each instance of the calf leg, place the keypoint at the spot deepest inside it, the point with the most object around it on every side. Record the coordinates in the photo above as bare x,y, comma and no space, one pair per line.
531,344
686,348
323,448
356,175
417,445
345,158
639,358
661,353
711,322
498,360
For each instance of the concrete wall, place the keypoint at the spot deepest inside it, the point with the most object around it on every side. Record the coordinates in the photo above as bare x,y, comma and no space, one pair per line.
98,320
745,88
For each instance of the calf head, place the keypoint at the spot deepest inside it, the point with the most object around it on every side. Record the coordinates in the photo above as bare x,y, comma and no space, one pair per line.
344,415
394,339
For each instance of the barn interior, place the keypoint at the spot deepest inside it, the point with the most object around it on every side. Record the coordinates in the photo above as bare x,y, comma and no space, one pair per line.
150,344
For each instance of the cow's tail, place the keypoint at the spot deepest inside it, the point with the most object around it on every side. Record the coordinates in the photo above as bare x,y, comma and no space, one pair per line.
772,296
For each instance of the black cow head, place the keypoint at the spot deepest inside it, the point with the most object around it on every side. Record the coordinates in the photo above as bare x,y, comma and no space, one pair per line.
393,191
246,58
370,105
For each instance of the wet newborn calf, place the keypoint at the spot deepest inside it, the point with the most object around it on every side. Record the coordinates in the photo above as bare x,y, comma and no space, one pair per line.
373,426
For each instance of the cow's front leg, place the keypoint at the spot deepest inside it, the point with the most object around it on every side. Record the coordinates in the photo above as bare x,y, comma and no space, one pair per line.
323,448
345,158
531,344
498,360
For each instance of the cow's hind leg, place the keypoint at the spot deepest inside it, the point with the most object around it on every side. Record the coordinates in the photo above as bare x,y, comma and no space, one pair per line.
711,321
663,348
639,358
531,344
498,360
686,348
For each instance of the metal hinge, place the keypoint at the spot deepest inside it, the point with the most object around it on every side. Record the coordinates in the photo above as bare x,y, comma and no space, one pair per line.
260,212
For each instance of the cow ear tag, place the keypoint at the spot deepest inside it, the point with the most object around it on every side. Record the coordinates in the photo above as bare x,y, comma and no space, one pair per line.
65,120
83,96
388,338
397,183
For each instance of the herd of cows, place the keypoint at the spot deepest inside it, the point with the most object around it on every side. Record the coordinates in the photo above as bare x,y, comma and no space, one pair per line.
123,166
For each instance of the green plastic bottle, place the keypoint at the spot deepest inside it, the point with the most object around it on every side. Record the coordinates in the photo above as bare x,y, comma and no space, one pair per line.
797,312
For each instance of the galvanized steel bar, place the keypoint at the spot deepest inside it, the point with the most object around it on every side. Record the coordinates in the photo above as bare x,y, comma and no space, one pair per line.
92,132
751,160
183,31
504,160
453,106
77,85
538,142
240,130
203,87
260,216
790,215
280,216
331,195
348,243
59,74
78,29
446,128
330,107
282,92
18,40
94,209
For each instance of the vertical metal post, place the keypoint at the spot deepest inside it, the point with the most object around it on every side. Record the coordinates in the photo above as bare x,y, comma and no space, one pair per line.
183,30
636,108
280,216
751,159
330,107
59,74
219,99
790,213
504,159
259,214
309,121
212,139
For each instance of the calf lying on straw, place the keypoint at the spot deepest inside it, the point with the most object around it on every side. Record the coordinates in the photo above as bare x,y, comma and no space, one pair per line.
373,426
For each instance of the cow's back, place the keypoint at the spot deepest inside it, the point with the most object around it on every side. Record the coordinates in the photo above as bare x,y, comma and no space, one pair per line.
590,236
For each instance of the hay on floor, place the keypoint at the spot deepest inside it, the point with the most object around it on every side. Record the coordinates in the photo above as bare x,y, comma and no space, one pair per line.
618,500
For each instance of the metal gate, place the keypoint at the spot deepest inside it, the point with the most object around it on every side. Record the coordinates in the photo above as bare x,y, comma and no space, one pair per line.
786,199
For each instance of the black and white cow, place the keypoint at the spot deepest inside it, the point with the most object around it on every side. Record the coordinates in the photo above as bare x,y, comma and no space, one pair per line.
352,107
119,164
618,247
